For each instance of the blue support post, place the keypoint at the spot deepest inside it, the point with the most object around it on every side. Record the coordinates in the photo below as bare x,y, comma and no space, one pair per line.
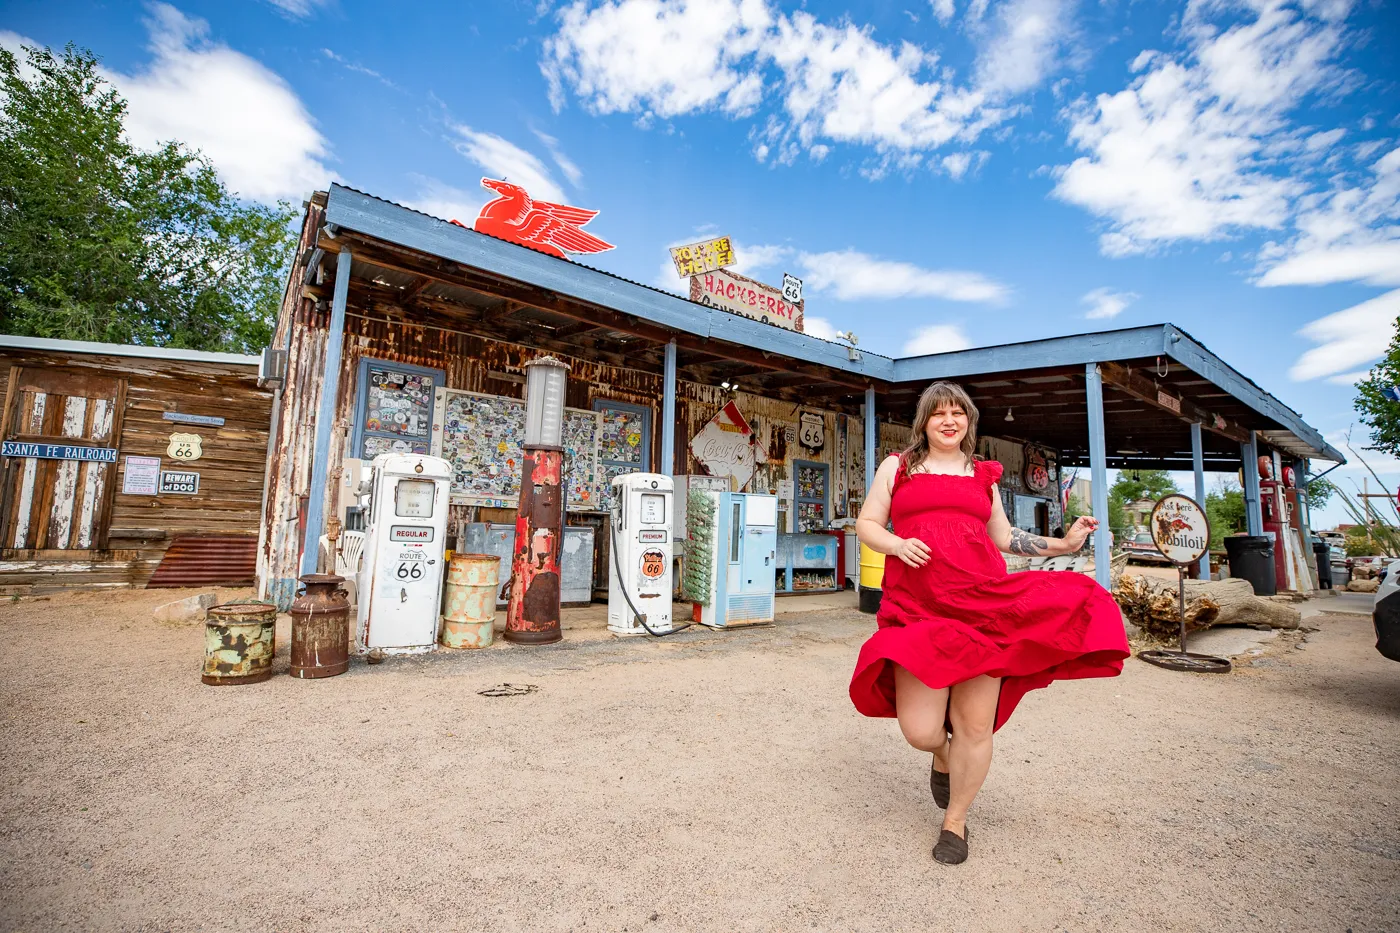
1198,466
1253,513
1098,471
668,412
869,418
325,417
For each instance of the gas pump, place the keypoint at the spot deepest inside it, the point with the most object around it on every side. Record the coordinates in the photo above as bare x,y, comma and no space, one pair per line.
401,572
639,580
744,571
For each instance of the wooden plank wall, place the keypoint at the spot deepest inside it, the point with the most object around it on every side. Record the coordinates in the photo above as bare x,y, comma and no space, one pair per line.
142,527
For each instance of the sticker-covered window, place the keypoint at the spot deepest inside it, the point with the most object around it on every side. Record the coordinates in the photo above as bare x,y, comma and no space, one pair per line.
394,411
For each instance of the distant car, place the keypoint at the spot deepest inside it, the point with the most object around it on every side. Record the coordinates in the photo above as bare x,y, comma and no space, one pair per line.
1139,547
1386,612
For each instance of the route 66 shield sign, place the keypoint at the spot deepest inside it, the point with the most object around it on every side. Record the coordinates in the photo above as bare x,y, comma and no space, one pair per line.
792,288
811,431
185,447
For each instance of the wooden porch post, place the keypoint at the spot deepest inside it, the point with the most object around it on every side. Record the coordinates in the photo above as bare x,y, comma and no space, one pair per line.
668,411
325,417
1198,467
1098,471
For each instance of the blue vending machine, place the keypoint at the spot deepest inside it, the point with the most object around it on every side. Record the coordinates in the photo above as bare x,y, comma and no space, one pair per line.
745,561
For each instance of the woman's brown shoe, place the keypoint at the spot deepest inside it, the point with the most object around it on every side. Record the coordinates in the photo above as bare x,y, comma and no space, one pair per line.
938,783
951,848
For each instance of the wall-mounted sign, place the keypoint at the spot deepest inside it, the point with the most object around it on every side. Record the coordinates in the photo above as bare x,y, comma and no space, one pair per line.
179,481
811,430
1037,471
542,225
1167,400
742,295
698,258
185,447
724,445
1180,529
59,452
141,477
178,417
792,288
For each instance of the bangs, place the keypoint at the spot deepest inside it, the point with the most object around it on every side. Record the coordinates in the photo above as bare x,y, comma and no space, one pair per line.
946,393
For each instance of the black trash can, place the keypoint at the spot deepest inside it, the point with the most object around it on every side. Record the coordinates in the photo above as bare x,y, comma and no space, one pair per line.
1251,558
1323,555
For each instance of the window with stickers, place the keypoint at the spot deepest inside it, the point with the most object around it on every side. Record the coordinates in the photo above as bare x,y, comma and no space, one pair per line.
394,408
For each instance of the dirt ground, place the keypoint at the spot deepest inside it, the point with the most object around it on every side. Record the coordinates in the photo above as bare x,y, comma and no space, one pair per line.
712,781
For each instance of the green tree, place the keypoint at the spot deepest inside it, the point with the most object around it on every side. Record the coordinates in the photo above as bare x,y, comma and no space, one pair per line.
1130,486
102,241
1225,510
1380,413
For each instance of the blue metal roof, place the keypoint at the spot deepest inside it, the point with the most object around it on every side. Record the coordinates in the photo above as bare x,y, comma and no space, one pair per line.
394,223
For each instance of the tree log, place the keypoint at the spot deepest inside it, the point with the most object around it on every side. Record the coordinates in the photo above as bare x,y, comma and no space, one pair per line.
1152,605
1239,605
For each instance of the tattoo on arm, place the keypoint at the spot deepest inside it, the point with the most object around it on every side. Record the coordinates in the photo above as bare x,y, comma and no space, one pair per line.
1027,544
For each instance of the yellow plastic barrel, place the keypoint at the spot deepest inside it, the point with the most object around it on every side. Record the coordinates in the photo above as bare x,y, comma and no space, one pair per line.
469,602
872,578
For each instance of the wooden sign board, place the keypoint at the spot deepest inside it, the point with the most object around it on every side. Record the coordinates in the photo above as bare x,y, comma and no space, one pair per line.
739,294
699,258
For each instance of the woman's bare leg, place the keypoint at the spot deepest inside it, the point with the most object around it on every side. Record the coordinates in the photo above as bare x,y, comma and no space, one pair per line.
972,709
922,711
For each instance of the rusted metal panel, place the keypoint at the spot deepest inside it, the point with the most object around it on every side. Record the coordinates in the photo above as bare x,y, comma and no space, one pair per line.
320,628
239,643
533,614
207,560
469,600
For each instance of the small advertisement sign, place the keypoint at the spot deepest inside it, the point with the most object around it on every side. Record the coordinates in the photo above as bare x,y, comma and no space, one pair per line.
724,445
699,258
1180,529
142,476
742,295
179,481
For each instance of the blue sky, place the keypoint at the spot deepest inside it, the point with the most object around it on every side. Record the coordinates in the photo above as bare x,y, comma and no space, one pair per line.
941,174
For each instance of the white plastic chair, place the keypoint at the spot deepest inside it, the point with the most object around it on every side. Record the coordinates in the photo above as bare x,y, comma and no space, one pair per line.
347,562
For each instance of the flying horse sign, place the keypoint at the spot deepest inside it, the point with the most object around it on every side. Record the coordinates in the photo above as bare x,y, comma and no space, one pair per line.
551,228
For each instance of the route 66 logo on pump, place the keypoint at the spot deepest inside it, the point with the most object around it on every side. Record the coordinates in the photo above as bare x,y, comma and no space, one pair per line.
185,447
812,432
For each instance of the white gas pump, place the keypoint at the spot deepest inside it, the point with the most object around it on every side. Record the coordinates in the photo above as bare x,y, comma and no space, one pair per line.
401,572
639,579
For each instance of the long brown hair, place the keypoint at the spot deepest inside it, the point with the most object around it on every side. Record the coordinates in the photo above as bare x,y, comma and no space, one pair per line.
940,393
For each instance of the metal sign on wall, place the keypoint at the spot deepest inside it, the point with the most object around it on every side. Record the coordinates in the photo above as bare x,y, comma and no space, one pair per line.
699,258
724,445
59,452
742,295
179,481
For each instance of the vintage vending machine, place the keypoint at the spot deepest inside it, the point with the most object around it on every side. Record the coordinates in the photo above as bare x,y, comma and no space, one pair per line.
744,562
401,571
639,578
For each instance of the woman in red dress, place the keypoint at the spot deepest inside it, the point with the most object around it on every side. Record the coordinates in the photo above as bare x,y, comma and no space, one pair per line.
960,640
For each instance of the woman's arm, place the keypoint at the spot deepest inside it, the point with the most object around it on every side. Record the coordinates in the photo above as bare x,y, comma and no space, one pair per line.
875,514
1018,541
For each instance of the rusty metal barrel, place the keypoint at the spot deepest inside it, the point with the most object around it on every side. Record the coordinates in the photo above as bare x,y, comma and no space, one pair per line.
320,627
239,641
469,602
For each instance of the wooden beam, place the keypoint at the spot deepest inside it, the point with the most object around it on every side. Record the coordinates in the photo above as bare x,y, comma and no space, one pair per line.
1144,389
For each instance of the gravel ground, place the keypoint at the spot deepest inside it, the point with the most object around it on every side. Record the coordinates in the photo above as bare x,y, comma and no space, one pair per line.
713,781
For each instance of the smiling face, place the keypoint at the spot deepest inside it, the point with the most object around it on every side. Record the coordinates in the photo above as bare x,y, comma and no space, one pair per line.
946,428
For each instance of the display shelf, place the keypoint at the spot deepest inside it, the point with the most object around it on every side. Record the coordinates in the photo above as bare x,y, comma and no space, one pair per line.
806,563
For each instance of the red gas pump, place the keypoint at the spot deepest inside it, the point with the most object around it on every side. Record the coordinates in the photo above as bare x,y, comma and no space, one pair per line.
1273,504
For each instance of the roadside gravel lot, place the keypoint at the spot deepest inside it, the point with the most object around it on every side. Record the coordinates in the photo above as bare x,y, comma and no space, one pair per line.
712,781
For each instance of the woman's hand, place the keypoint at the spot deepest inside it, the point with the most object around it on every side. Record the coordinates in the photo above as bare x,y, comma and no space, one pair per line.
1079,532
912,551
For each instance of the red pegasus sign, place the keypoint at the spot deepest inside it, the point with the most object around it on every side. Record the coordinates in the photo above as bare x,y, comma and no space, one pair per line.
542,225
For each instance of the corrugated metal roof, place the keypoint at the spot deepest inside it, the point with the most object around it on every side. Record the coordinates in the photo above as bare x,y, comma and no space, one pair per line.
119,349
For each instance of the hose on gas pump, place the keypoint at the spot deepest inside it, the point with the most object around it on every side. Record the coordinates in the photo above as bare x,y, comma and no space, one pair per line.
639,616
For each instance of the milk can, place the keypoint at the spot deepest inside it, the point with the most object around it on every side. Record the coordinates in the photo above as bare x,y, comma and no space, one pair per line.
239,639
320,627
469,600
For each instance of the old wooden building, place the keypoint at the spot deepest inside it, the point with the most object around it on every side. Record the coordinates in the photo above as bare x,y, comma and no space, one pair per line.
128,466
406,332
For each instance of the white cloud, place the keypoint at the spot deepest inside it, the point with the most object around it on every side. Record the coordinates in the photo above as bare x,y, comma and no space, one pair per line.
445,201
298,9
566,165
943,9
500,158
818,327
1024,45
750,257
241,115
853,276
1197,147
936,338
1106,303
356,67
1349,338
821,83
959,164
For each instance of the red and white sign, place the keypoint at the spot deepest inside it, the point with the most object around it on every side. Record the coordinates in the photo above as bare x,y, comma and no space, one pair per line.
543,225
725,447
742,295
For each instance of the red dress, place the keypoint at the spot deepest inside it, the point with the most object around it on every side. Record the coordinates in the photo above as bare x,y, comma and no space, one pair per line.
962,614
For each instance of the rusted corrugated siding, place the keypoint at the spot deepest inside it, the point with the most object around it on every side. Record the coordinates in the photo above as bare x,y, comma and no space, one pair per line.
207,560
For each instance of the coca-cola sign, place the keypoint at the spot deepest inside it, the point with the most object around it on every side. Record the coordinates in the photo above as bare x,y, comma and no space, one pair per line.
724,446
